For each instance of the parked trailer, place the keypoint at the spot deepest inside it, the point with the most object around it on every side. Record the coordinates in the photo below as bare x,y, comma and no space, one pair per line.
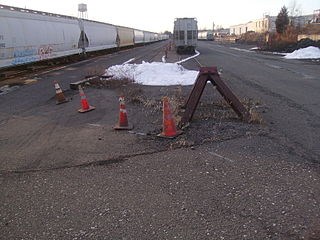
28,36
205,35
185,34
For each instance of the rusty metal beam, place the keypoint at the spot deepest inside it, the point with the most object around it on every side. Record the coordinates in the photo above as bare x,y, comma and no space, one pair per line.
231,99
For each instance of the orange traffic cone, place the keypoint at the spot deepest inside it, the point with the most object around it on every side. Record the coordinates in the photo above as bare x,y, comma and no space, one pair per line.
123,120
59,94
85,107
169,125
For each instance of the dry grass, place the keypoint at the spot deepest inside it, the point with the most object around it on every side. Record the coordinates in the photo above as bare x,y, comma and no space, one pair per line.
312,28
135,95
253,37
251,105
222,110
110,83
181,142
255,117
205,110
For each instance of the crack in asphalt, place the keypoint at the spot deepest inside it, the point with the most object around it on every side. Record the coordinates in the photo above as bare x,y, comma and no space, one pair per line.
115,160
104,162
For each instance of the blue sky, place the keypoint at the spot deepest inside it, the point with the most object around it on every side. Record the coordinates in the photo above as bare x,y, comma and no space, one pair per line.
158,16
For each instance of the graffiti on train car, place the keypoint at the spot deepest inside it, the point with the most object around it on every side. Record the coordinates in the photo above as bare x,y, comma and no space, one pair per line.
25,55
45,52
30,54
24,52
24,60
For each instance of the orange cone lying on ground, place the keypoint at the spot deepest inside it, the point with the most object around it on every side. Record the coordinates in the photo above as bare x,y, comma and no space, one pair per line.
123,120
169,126
59,94
85,107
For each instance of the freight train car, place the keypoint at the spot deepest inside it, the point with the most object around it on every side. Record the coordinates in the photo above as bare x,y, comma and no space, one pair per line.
138,37
125,36
147,37
185,34
28,36
97,36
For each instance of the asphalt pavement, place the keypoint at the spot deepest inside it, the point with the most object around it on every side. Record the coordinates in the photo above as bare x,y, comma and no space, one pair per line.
289,90
66,175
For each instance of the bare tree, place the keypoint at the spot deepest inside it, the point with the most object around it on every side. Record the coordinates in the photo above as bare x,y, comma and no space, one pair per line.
294,9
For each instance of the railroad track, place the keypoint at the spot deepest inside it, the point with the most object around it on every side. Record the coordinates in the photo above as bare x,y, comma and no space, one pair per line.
198,62
150,57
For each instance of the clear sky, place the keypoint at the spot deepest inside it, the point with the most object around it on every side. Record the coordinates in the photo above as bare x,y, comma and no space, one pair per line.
159,15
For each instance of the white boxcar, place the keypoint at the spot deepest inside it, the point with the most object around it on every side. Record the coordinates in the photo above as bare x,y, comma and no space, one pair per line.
98,36
29,36
138,37
185,34
125,36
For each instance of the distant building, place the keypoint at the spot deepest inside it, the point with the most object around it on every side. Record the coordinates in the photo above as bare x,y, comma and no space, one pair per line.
316,16
301,20
221,32
268,24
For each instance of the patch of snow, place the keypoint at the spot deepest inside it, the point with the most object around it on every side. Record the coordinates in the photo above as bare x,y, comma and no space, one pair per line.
154,74
186,59
240,49
129,61
254,48
304,53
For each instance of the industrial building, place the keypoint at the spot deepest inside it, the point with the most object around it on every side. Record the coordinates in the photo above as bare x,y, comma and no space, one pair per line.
267,24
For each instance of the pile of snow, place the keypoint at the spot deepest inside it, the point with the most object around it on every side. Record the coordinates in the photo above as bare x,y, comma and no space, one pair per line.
304,53
155,73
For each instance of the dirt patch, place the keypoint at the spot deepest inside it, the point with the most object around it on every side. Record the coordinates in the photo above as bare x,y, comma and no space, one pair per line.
213,121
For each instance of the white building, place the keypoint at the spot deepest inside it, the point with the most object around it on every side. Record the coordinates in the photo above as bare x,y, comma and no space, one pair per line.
267,24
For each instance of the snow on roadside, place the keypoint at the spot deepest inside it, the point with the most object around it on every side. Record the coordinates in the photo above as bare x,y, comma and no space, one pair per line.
241,49
304,53
154,74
